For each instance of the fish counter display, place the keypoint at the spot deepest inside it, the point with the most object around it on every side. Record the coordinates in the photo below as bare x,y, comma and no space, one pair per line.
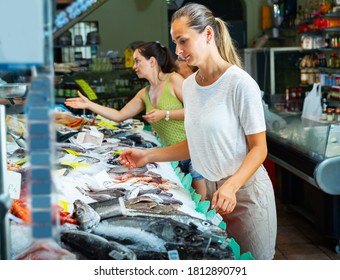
105,211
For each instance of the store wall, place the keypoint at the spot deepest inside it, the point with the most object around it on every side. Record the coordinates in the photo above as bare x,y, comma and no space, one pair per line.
124,21
253,12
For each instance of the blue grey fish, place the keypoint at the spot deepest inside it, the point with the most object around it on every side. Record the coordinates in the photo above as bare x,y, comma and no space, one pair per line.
95,247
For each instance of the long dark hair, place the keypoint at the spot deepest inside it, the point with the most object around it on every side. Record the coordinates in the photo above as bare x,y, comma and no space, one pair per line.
199,17
163,56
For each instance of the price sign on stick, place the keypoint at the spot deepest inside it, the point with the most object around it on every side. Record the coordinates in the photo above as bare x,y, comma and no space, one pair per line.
85,88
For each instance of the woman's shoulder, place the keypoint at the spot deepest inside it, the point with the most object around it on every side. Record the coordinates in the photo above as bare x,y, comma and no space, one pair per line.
237,71
238,74
174,76
142,92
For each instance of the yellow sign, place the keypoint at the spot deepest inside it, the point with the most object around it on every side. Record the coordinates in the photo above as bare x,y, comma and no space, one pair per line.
128,53
87,89
71,152
76,164
22,161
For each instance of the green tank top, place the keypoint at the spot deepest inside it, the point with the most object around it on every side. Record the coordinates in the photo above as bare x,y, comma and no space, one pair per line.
172,131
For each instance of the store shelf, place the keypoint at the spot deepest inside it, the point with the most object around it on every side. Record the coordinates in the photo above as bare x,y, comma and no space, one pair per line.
328,15
73,46
71,18
321,31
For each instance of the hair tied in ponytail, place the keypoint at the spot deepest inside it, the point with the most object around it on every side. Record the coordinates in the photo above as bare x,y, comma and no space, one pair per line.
157,42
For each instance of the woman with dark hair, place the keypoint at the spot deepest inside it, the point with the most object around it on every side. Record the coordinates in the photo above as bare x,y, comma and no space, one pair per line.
162,100
226,132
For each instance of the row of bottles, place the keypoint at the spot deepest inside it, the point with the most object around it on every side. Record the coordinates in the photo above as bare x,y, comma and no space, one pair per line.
310,42
330,113
101,86
320,59
319,67
309,76
294,98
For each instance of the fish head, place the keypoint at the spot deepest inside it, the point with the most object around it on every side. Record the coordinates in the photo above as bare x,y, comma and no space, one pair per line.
180,233
86,217
209,229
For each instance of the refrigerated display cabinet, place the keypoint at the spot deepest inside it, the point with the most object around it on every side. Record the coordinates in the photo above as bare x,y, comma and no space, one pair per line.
307,163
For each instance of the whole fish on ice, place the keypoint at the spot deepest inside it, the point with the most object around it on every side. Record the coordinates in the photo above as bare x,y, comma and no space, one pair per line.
95,247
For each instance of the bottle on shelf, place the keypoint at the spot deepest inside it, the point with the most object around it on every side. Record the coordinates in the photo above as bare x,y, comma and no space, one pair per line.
100,86
324,109
287,105
330,114
337,115
327,41
332,62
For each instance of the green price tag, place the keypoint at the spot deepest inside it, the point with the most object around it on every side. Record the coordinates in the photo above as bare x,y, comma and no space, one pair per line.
87,89
22,161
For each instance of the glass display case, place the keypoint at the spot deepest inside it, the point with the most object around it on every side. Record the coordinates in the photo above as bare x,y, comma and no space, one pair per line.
318,140
307,164
307,147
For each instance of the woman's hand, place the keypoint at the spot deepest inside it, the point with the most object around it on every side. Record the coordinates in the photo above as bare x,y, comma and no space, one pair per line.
224,199
80,102
132,158
154,115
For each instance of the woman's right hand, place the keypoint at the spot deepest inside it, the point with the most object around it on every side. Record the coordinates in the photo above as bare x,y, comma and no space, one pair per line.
132,158
80,102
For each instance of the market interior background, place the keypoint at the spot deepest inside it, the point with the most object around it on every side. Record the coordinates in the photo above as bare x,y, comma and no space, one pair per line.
117,21
308,219
117,24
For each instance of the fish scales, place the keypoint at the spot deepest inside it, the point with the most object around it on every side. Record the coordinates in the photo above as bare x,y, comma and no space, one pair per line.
95,247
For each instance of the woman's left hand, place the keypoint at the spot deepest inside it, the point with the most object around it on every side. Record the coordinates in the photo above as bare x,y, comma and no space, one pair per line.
154,115
224,199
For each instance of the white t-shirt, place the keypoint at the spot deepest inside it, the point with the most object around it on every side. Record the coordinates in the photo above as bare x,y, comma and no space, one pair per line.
217,118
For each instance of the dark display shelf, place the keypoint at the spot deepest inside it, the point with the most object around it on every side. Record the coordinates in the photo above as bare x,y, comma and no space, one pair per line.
65,19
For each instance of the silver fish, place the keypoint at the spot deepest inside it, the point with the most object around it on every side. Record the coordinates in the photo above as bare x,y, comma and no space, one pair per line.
107,208
148,205
165,228
95,247
87,218
144,210
103,194
133,238
205,227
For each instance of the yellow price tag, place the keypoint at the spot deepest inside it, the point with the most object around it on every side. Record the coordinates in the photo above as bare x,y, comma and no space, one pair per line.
87,89
107,125
117,152
76,164
71,152
64,204
22,161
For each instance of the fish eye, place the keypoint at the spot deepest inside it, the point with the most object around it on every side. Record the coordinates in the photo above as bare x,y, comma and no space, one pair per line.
205,223
179,230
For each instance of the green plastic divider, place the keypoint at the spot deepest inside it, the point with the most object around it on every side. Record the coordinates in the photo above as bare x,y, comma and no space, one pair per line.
187,180
235,248
174,164
211,214
196,198
247,256
147,128
177,170
203,206
223,225
181,175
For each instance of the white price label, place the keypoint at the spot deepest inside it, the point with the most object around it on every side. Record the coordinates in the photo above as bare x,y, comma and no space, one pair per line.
13,183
